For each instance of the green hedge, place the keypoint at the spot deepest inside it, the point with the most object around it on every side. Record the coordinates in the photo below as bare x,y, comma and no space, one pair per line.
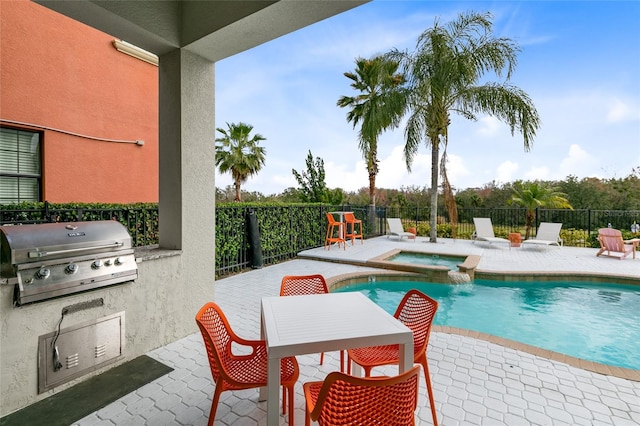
140,219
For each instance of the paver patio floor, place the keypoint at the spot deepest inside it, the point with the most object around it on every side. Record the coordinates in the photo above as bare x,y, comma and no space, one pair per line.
476,382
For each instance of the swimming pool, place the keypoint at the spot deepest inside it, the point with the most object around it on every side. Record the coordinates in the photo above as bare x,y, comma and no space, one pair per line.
595,322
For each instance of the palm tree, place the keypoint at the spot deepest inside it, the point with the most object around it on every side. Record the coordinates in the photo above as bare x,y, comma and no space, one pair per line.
444,76
532,195
239,154
379,106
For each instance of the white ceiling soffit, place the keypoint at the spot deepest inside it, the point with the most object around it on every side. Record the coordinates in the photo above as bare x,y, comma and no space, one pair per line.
280,18
212,29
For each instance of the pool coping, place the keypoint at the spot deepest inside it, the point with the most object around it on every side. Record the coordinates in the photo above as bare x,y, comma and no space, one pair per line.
590,277
609,370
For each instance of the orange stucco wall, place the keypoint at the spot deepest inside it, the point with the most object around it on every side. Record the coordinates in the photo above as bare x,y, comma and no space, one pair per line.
59,73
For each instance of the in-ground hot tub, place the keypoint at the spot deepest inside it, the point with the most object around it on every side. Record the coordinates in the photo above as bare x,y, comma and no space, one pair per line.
438,267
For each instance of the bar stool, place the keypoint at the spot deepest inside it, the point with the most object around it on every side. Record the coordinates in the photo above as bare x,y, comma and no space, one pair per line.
350,219
331,237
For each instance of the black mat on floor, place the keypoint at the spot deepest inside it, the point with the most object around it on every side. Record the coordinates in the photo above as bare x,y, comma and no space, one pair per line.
79,401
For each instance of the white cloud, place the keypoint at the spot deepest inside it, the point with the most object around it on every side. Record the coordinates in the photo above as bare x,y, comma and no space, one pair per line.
456,170
283,181
577,162
538,173
505,171
393,170
489,127
618,111
340,176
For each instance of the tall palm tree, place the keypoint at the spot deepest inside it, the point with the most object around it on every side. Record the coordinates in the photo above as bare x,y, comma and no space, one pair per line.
444,76
532,195
378,107
239,154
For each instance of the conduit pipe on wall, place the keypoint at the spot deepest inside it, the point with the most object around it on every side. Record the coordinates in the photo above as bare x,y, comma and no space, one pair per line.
138,142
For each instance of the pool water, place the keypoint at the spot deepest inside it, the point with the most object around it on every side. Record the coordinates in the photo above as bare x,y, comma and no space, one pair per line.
451,262
595,322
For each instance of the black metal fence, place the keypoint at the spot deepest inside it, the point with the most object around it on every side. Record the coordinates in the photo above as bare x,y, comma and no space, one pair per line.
284,231
579,227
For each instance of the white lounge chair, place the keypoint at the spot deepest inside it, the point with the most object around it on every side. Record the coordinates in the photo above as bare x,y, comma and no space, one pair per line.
484,231
396,229
548,235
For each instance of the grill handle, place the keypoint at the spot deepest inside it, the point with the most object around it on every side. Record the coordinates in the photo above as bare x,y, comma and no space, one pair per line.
37,253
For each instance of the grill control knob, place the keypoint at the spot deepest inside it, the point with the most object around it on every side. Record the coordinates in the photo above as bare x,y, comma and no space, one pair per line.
119,261
96,264
107,262
43,273
71,268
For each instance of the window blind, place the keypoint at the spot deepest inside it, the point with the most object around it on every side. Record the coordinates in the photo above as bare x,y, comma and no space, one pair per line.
20,166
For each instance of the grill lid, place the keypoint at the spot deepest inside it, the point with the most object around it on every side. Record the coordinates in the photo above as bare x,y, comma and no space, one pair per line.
31,243
57,259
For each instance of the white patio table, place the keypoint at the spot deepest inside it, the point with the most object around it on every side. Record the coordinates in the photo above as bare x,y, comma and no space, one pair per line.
297,325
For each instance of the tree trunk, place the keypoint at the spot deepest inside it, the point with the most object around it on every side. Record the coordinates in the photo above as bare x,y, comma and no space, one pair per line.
529,223
433,221
372,168
450,203
237,185
449,199
372,188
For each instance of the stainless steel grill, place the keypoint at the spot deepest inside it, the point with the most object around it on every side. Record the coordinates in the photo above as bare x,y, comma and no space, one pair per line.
56,259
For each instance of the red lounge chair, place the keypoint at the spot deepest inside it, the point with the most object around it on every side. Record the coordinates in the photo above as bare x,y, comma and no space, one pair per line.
612,244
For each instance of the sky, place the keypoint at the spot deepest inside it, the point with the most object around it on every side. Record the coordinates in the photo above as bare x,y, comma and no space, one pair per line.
579,62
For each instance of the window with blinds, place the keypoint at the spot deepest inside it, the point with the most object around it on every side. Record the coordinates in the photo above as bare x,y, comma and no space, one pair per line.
20,166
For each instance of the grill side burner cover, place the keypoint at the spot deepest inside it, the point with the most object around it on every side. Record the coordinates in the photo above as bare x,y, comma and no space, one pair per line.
56,259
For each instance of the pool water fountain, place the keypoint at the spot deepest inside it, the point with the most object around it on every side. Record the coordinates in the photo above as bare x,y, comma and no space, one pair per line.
459,277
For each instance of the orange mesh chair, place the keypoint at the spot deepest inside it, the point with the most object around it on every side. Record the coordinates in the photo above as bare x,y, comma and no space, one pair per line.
333,236
350,224
416,311
612,243
346,400
293,285
245,370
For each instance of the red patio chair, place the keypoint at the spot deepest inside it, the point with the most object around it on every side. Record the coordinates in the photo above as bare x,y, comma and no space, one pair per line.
335,233
416,311
355,226
293,285
235,370
346,400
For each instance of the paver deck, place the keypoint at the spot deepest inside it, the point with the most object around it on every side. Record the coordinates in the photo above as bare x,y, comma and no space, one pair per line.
476,382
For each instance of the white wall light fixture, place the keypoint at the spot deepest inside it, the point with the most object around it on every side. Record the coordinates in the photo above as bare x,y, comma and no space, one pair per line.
135,51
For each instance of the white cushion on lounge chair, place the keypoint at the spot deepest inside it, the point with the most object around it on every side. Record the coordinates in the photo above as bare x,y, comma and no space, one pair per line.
484,231
548,235
396,229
